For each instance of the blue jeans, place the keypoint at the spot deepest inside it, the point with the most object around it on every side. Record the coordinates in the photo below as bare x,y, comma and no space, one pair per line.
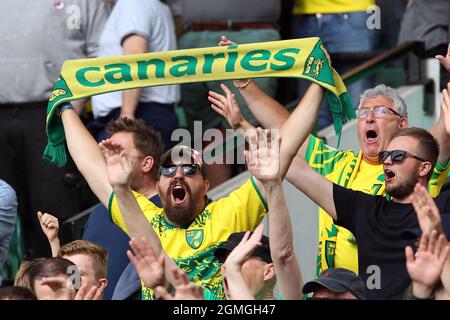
341,33
8,214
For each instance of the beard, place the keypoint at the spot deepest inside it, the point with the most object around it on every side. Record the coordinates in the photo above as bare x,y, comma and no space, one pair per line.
179,214
404,189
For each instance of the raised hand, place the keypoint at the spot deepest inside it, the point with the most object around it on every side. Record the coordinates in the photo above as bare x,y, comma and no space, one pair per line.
224,41
49,225
263,156
425,267
149,268
445,61
184,288
226,106
244,249
118,163
427,212
94,293
445,107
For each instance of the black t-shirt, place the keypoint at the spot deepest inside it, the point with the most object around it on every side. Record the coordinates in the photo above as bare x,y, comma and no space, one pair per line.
377,225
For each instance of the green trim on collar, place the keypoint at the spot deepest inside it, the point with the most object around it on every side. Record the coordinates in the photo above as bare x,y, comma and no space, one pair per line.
259,193
111,198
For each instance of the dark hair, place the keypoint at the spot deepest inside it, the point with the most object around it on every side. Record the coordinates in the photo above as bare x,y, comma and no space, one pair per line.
50,267
428,146
98,254
16,293
145,138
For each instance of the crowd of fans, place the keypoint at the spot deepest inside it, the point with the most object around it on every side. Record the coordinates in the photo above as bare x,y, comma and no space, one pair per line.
384,223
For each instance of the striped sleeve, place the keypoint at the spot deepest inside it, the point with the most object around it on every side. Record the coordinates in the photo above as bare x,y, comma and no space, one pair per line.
321,157
147,207
242,210
438,178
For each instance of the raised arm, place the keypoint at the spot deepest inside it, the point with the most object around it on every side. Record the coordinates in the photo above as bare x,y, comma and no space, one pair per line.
305,114
86,154
295,131
310,182
132,44
430,220
272,115
227,107
237,285
266,169
50,227
119,168
269,113
425,266
441,130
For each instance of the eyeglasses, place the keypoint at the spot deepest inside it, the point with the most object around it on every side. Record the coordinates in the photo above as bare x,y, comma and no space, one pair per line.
397,156
187,169
378,111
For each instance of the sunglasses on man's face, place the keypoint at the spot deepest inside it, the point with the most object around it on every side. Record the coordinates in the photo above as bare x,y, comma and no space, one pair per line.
397,156
186,169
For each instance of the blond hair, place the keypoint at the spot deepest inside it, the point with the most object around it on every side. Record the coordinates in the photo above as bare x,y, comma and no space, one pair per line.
98,254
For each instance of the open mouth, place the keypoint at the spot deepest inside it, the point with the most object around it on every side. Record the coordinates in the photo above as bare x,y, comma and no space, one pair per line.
178,194
388,175
371,136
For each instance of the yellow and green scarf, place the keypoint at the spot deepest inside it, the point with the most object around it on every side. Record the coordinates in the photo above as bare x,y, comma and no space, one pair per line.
299,58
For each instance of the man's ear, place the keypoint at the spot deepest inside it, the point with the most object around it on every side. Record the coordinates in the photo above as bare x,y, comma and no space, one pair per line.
425,168
404,123
102,283
147,164
269,271
206,185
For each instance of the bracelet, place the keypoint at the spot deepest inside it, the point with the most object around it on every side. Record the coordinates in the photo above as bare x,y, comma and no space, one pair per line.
65,107
243,85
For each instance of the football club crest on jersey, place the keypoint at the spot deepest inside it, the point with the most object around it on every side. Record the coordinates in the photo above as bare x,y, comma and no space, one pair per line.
194,238
330,249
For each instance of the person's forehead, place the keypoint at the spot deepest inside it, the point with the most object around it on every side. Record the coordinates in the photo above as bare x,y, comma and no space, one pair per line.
405,143
122,135
180,161
80,259
377,101
125,139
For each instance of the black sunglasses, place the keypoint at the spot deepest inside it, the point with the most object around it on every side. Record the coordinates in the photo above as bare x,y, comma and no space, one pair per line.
397,156
187,169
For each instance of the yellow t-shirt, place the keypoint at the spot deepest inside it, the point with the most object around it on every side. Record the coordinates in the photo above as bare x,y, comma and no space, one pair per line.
192,248
337,245
330,6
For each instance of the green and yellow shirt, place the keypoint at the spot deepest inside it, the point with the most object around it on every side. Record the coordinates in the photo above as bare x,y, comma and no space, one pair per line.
337,245
192,248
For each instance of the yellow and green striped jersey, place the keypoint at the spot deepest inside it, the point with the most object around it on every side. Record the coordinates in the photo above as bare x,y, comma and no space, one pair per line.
192,248
337,246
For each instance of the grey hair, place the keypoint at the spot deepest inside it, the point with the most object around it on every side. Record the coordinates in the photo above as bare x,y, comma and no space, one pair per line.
388,92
